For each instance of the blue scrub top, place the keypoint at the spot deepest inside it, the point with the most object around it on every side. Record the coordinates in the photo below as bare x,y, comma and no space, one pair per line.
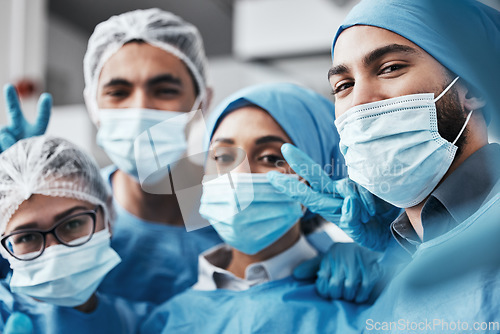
4,267
283,306
112,315
158,261
451,285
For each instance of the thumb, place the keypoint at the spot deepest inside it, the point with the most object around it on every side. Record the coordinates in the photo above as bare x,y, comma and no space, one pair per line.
18,323
308,269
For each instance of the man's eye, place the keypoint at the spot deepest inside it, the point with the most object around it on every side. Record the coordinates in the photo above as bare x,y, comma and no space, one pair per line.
117,93
342,87
391,68
166,92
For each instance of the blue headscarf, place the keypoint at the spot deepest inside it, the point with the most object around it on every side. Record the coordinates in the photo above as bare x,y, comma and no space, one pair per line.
305,116
463,35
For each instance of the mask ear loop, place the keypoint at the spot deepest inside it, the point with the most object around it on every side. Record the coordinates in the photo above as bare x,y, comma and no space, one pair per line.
463,127
446,89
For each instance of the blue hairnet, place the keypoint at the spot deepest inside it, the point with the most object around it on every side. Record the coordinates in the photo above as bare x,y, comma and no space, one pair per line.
463,35
305,116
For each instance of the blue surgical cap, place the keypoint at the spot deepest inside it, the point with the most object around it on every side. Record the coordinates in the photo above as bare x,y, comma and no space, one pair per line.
305,116
463,35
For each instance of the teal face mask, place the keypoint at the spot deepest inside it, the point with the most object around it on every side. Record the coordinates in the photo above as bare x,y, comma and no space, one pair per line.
141,141
393,147
65,276
247,212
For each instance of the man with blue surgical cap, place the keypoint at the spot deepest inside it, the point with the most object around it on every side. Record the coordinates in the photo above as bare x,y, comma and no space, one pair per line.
415,85
246,284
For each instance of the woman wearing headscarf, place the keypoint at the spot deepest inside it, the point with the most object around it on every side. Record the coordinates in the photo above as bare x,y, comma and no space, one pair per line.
246,285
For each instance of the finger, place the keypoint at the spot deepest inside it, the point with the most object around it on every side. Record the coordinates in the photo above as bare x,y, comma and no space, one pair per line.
352,282
44,109
314,201
14,112
371,275
337,279
310,170
6,139
323,280
308,269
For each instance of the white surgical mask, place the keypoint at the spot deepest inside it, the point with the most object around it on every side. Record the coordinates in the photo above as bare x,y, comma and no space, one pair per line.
65,276
247,211
142,142
393,148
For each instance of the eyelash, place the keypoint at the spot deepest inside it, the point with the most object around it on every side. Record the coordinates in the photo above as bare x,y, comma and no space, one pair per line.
338,88
395,67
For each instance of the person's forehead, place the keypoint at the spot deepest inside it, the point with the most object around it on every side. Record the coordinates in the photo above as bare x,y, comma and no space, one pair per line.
358,40
246,122
144,60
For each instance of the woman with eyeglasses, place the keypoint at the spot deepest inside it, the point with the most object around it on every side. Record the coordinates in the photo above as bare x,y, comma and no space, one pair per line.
55,216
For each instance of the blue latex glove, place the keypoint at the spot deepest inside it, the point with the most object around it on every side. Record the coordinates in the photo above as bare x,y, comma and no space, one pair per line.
347,271
18,127
18,323
363,216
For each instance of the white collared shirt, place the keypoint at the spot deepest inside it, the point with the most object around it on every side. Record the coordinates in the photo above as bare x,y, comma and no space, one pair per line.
212,276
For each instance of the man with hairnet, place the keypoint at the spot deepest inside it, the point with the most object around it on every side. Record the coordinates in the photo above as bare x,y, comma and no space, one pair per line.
145,80
145,71
415,85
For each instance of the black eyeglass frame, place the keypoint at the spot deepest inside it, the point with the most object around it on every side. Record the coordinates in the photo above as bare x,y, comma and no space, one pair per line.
91,213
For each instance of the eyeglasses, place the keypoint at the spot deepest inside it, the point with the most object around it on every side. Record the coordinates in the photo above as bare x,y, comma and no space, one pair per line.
71,231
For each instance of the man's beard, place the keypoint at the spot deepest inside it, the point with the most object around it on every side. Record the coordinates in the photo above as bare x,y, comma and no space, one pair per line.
451,117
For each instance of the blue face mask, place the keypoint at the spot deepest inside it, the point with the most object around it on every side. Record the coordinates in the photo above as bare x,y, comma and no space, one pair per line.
393,147
247,212
65,276
141,142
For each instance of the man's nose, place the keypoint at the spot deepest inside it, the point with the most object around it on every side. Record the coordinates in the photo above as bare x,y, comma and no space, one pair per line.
141,100
366,92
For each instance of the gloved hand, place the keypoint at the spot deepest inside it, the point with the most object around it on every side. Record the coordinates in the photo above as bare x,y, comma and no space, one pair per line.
347,271
363,216
18,323
18,127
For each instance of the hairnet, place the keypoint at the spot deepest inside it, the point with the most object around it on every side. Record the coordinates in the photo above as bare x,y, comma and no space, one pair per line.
463,35
53,167
306,117
154,26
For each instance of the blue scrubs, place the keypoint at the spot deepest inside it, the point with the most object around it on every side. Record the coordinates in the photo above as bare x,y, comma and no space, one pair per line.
158,260
112,315
4,267
452,283
283,306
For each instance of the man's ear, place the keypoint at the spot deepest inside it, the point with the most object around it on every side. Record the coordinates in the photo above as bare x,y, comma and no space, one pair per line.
472,99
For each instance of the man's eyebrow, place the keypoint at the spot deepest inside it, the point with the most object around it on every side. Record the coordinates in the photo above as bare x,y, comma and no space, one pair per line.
376,54
373,56
117,82
164,78
339,69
